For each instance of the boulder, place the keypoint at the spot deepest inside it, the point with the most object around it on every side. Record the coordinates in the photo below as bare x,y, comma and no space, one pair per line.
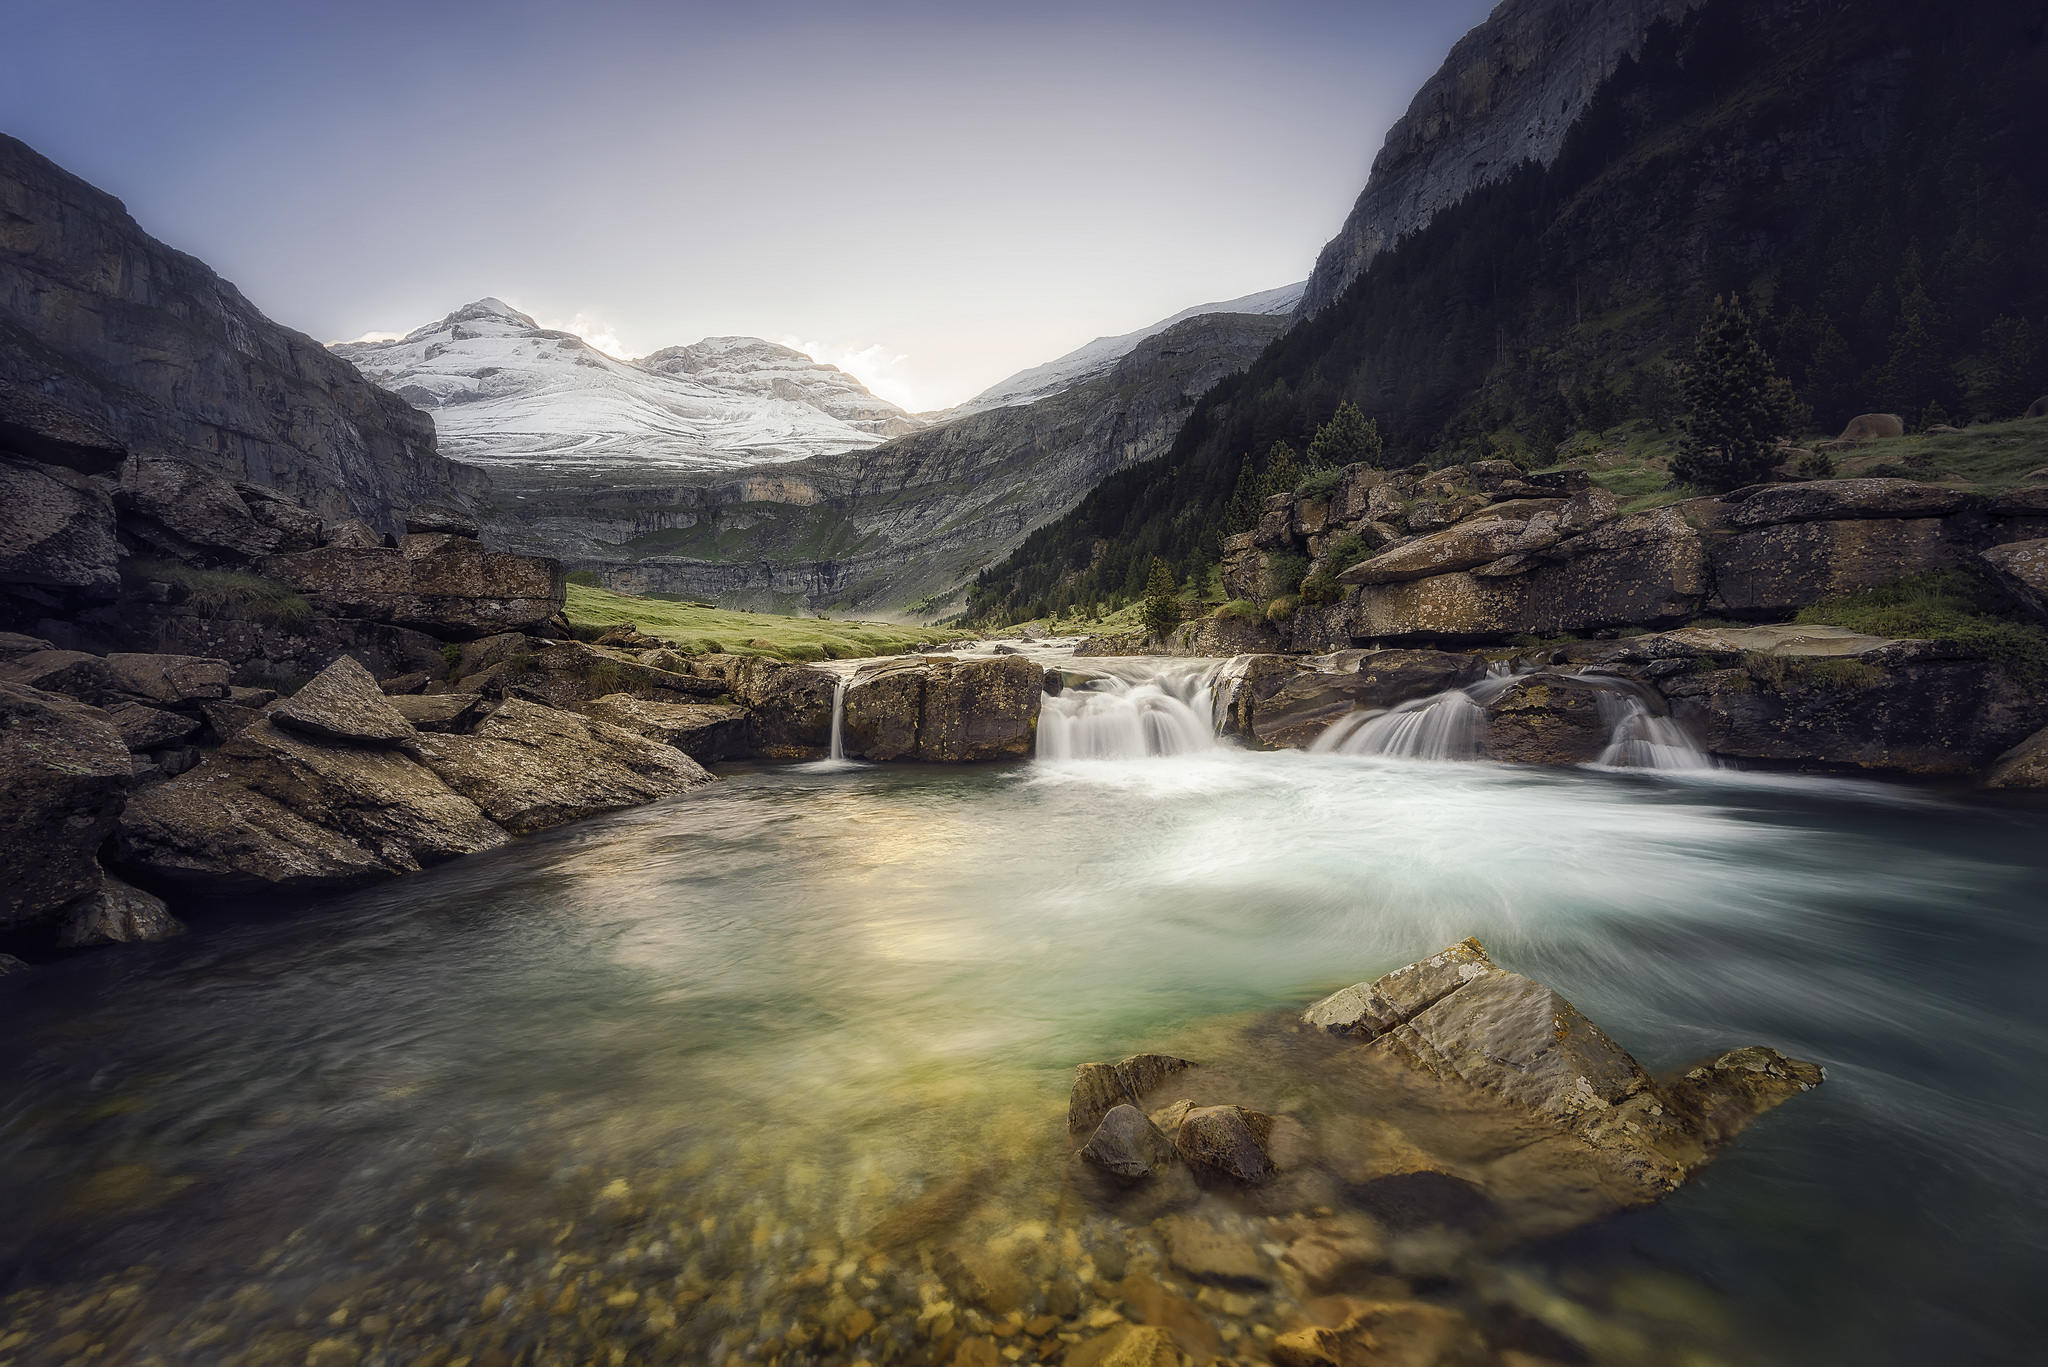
354,534
2022,567
273,810
1462,547
1773,571
1874,427
2038,408
151,728
343,703
1289,711
1204,1251
2025,766
441,518
115,914
1127,1146
978,710
449,586
1227,1141
65,771
56,531
884,711
703,731
171,680
1824,500
441,712
37,430
192,514
1365,1011
298,528
529,767
566,673
789,707
1389,1334
1552,719
1101,1087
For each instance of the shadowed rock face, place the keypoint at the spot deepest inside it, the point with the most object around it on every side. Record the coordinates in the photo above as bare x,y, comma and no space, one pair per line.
102,321
65,771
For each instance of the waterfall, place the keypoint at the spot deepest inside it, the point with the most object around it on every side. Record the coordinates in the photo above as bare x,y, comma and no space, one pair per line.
1639,738
838,751
1131,711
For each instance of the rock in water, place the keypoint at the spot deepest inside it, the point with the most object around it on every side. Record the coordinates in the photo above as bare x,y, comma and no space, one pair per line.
343,703
1388,1334
64,768
1101,1087
1369,1010
1127,1146
531,767
116,914
2025,766
1228,1140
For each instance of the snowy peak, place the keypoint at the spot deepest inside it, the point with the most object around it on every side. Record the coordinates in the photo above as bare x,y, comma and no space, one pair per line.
1101,355
504,390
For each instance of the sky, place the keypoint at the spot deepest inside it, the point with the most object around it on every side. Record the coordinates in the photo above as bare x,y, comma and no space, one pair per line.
931,196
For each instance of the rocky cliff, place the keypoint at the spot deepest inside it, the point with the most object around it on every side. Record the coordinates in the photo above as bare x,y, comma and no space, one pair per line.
101,320
880,529
1508,93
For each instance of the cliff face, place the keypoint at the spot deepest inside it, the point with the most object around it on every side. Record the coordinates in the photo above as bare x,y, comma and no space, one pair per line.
880,529
1507,94
100,319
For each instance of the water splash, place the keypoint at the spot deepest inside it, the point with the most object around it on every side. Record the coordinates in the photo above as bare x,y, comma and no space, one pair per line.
838,750
1639,736
1132,710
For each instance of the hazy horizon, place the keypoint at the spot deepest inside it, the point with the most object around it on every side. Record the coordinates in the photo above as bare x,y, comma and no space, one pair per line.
929,200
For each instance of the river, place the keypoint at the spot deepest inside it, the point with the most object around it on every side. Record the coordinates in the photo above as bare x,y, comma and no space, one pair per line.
693,1054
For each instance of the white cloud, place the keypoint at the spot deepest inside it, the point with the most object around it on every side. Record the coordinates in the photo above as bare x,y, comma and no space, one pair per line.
884,371
596,331
369,337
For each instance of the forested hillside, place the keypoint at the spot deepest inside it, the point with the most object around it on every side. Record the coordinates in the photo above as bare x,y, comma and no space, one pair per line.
1868,177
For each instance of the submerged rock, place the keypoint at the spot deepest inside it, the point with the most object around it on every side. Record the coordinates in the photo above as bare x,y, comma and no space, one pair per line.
1127,1146
1101,1087
1227,1140
1387,1334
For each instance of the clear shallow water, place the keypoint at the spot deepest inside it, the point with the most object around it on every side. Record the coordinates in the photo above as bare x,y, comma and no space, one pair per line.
790,1003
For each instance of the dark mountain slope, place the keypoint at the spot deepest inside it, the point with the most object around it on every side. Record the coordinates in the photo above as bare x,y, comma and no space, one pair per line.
1868,175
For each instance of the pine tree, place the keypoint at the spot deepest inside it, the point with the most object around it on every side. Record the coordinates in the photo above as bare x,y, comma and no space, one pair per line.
1917,372
1737,407
1283,470
1348,438
1241,514
1162,600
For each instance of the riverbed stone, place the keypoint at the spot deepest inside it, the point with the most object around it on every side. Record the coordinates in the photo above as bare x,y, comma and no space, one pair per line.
530,767
1202,1250
1127,1146
116,913
1553,719
343,703
1227,1141
1386,1334
1100,1087
65,770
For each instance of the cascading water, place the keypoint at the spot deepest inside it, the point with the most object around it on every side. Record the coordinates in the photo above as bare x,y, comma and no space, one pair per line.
838,750
1131,711
1641,738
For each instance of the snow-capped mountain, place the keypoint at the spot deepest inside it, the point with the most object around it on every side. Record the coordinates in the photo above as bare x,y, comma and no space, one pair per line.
1097,358
503,390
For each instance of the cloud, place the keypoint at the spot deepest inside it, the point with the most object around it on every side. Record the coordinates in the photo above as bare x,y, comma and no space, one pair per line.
369,337
597,332
883,370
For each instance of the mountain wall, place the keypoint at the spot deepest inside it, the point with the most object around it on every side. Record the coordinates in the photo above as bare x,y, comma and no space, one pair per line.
1508,93
99,319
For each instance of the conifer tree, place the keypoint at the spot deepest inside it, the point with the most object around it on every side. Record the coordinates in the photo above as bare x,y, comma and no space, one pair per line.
1348,438
1283,470
1162,600
1241,514
1737,407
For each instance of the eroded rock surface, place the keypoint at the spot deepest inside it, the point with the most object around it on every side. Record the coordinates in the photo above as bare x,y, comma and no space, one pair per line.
65,771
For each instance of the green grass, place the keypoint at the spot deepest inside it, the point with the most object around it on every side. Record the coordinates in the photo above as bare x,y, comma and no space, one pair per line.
232,594
1942,606
699,629
1994,456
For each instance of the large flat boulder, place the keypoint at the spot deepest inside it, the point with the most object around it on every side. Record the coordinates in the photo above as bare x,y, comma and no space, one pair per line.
529,767
978,710
449,586
1825,500
56,531
1776,569
65,771
703,731
278,811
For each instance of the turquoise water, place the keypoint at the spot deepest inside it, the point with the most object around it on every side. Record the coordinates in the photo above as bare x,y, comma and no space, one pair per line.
793,1002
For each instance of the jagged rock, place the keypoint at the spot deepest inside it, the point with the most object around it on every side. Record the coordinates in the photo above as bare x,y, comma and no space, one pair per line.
65,771
192,514
1227,1140
39,431
440,518
531,767
228,719
1289,710
1101,1087
440,712
278,811
56,531
1127,1146
2022,567
1828,500
2025,766
1387,1334
1368,1010
150,728
354,534
115,914
343,703
978,710
1874,427
1546,719
703,731
449,586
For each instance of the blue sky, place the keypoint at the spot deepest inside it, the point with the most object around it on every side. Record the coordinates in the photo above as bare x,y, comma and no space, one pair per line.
933,196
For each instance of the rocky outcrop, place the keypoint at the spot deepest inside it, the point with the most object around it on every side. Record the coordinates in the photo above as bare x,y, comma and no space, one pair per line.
446,585
101,322
944,711
703,731
57,531
65,770
1507,94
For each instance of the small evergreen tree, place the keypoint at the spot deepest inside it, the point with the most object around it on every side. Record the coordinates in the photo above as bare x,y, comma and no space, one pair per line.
1736,405
1283,470
1162,600
1241,514
1348,438
1917,372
